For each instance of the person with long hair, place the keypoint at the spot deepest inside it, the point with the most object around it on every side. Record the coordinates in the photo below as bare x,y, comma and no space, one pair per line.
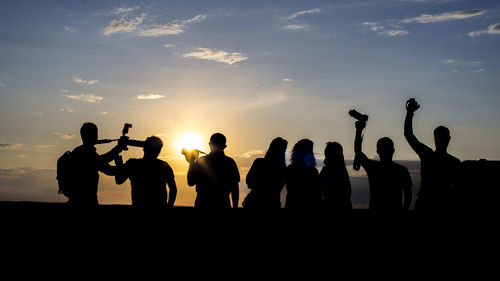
266,178
302,178
334,180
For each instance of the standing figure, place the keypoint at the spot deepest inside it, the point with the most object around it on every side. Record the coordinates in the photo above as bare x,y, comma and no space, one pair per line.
149,177
266,178
438,168
390,183
334,179
86,165
215,175
302,179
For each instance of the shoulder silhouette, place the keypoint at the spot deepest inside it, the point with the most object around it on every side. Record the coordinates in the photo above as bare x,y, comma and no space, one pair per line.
302,179
438,168
335,183
149,177
390,183
266,178
215,175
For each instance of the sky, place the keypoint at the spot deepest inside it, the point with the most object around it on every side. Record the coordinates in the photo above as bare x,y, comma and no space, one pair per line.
252,70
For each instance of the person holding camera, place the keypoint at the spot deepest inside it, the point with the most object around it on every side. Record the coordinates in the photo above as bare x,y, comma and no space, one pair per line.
86,164
215,175
149,177
438,168
390,183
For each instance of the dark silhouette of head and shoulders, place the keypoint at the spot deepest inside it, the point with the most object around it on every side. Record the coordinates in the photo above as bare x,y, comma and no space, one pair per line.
335,183
390,183
215,175
266,177
302,178
86,165
438,167
149,177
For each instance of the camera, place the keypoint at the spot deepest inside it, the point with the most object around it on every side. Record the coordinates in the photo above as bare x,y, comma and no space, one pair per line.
358,116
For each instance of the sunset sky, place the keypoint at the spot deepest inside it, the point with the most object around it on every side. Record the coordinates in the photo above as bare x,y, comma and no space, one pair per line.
252,70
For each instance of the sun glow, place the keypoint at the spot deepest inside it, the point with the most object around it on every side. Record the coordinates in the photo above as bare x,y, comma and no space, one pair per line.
189,141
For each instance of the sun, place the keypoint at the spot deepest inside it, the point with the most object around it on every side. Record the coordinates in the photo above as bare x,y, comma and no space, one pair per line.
189,141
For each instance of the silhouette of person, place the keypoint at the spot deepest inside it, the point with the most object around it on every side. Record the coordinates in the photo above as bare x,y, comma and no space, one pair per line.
334,180
438,168
302,179
266,178
215,175
87,163
148,177
388,180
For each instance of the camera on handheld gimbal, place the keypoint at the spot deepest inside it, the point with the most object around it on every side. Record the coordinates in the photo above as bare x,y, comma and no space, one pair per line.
128,142
358,116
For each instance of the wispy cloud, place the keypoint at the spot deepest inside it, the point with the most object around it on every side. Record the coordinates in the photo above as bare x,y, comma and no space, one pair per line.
305,12
91,98
168,45
492,29
448,16
136,25
64,109
253,153
123,25
391,30
1,84
216,55
150,97
69,29
478,70
124,10
80,80
296,26
64,136
10,146
287,80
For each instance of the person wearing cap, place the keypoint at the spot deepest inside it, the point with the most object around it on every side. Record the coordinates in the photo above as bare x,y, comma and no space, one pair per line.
215,175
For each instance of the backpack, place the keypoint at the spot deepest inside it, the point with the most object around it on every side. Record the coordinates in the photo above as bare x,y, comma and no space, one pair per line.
65,174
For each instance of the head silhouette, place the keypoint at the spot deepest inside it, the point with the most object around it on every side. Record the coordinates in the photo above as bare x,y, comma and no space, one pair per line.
152,147
385,148
88,132
441,138
276,151
334,153
217,142
302,154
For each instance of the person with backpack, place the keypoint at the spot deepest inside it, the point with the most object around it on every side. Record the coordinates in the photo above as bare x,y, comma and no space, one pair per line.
78,175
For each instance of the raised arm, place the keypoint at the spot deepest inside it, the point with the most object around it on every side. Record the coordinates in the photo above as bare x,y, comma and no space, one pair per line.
358,140
416,145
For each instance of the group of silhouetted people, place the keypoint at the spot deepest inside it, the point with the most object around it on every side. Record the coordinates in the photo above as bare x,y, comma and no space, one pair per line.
217,178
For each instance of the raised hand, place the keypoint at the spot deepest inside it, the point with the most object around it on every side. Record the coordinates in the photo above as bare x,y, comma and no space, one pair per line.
412,105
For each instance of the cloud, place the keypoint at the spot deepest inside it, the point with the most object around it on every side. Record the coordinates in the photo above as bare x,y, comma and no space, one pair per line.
29,184
306,12
448,16
492,30
65,109
287,80
1,84
135,25
168,45
150,97
253,153
296,26
69,29
478,70
123,25
124,10
91,98
216,55
448,61
10,146
392,30
64,136
79,80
